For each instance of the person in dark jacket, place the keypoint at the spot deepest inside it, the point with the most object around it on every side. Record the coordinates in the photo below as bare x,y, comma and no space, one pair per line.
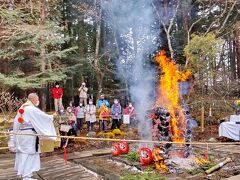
116,114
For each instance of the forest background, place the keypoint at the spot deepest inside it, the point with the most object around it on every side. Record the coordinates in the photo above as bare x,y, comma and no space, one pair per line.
71,41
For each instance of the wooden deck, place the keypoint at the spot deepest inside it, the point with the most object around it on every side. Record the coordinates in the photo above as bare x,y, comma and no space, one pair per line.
231,149
52,168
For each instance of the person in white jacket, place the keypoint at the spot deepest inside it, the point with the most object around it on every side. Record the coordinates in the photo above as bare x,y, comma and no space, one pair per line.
83,94
30,120
90,111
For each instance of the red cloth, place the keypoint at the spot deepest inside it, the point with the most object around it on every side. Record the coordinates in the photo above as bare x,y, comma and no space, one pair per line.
57,92
129,111
65,154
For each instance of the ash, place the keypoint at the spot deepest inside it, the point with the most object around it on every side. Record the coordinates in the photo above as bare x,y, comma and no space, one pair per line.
179,164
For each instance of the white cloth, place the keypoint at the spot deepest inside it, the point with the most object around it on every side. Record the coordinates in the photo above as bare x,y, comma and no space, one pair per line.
230,130
27,160
23,166
235,118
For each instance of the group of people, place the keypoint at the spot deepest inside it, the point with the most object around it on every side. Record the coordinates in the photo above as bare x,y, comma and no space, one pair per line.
30,119
87,112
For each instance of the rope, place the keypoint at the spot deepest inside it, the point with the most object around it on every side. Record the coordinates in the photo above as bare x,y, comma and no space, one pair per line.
127,140
3,148
3,136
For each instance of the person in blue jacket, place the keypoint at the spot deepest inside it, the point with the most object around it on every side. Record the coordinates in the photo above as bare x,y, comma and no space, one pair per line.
101,100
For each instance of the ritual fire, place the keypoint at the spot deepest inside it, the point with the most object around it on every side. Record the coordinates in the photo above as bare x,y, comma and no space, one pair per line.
169,118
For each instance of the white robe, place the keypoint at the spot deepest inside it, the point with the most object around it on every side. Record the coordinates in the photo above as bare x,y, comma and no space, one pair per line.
27,160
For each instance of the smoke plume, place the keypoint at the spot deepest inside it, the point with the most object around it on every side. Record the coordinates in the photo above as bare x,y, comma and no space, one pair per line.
133,24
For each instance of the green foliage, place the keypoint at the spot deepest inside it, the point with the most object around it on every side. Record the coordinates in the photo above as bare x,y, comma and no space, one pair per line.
149,175
202,50
133,156
66,42
202,168
195,171
33,49
35,81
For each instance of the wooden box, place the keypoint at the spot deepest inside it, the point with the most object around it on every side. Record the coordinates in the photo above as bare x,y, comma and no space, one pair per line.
46,145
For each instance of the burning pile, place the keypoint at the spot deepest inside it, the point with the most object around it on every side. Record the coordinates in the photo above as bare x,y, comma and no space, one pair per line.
170,120
161,131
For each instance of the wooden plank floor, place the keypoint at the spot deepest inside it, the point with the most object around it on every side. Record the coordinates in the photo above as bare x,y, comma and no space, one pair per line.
52,168
222,148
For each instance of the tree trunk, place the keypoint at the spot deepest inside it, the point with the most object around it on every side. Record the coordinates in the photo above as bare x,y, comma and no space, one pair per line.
43,11
49,97
10,5
42,56
97,47
237,49
72,86
42,61
170,44
43,94
185,26
169,28
100,77
232,60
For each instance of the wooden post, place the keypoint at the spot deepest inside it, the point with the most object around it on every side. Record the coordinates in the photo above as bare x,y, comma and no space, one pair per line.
210,116
202,119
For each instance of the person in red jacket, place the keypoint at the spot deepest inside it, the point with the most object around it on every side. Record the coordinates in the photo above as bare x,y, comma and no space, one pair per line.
57,94
131,112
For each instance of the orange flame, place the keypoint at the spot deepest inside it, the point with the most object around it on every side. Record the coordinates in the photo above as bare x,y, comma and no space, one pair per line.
169,93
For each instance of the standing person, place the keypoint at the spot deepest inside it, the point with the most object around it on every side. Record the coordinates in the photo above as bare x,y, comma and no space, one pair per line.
79,113
83,93
72,105
129,110
72,122
101,100
57,94
103,117
90,111
31,120
116,114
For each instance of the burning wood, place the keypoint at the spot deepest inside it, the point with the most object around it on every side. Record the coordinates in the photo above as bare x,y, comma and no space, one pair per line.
169,94
169,118
161,120
159,160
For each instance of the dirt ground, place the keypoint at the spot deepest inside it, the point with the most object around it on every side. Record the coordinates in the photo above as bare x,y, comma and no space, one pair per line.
209,132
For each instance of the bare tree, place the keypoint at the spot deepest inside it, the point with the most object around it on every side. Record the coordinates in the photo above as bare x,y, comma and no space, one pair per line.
168,25
9,105
216,24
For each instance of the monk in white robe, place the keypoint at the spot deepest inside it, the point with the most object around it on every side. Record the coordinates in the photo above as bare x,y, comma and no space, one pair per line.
27,150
